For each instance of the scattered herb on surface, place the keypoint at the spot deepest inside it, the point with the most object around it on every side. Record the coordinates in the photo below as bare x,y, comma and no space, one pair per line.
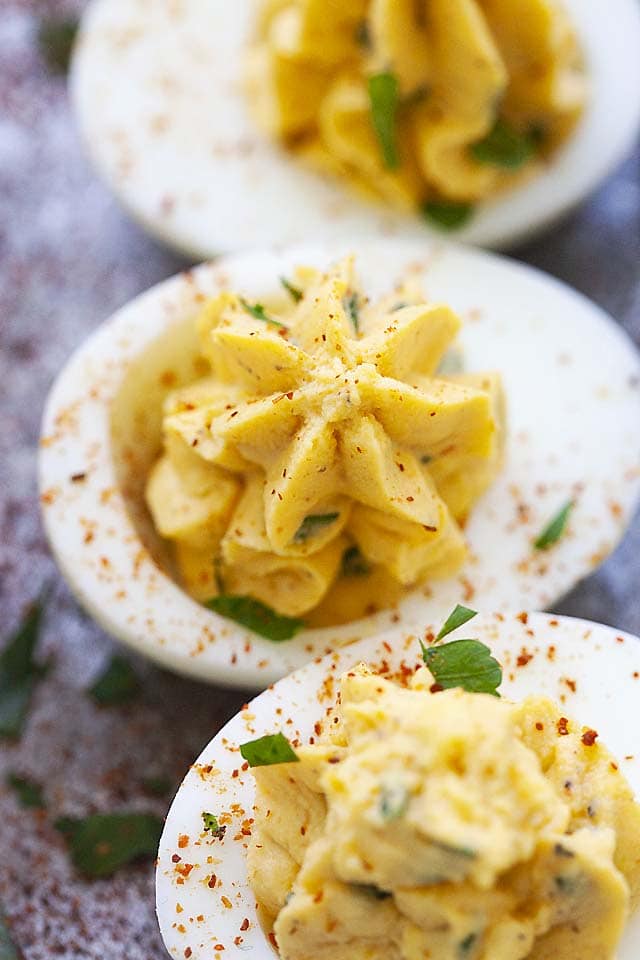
354,564
103,842
19,672
157,786
29,793
8,949
418,95
295,293
268,750
352,308
212,826
56,39
463,663
362,35
426,458
466,946
393,802
457,618
312,524
117,684
256,616
555,528
383,100
257,311
504,146
370,890
447,214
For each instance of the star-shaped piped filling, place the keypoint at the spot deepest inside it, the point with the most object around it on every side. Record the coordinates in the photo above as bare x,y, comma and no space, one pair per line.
333,422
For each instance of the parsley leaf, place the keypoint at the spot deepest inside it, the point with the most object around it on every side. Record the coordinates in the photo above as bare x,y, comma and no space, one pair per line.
311,525
28,792
362,35
384,100
457,618
103,842
393,803
447,214
117,684
352,307
19,672
211,825
256,616
8,949
504,146
56,39
295,293
257,310
555,528
354,564
268,750
464,663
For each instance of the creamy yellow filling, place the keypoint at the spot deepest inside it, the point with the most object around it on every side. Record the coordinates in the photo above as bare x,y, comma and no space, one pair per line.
323,449
458,68
448,825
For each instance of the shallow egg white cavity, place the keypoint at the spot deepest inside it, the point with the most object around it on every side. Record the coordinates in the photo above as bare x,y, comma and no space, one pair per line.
207,876
159,95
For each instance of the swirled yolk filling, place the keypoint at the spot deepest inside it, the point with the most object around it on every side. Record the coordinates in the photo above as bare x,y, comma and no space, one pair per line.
324,464
431,104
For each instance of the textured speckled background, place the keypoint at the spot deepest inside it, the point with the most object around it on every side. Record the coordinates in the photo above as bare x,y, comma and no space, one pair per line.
68,259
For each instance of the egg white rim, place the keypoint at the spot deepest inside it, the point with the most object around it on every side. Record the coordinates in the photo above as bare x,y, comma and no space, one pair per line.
572,381
157,93
598,659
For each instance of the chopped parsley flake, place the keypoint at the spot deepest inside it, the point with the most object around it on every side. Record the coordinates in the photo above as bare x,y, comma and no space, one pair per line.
447,214
257,311
295,293
352,307
212,826
464,663
28,792
312,524
19,672
56,39
256,616
117,684
103,842
457,618
504,146
394,800
266,751
354,564
384,101
555,528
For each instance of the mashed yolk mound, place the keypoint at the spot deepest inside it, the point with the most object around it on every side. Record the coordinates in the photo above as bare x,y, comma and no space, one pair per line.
416,101
323,447
451,825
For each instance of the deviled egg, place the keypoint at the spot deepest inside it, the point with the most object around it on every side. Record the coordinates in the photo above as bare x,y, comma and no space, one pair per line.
418,795
446,498
223,125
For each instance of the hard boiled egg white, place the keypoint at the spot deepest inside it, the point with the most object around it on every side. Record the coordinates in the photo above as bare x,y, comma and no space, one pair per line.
198,913
572,384
157,88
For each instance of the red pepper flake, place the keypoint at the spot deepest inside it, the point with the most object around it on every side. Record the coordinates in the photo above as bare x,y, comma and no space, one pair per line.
410,499
226,902
614,766
184,869
244,926
524,657
551,653
187,952
589,737
218,947
183,841
435,688
318,896
289,395
570,683
176,858
212,881
563,727
272,936
78,477
539,726
523,617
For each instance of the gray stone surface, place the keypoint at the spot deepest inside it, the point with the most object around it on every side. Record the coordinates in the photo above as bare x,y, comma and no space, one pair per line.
68,259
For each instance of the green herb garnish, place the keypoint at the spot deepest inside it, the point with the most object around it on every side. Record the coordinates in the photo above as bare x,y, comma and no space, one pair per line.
447,214
117,684
212,825
464,663
56,39
504,146
466,946
393,802
311,525
362,35
102,843
8,949
352,307
457,618
29,793
258,311
295,293
256,616
19,672
555,528
268,750
384,101
370,890
354,564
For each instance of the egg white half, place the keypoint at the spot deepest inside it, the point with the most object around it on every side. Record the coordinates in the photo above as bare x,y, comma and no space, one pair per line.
157,88
572,383
192,914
